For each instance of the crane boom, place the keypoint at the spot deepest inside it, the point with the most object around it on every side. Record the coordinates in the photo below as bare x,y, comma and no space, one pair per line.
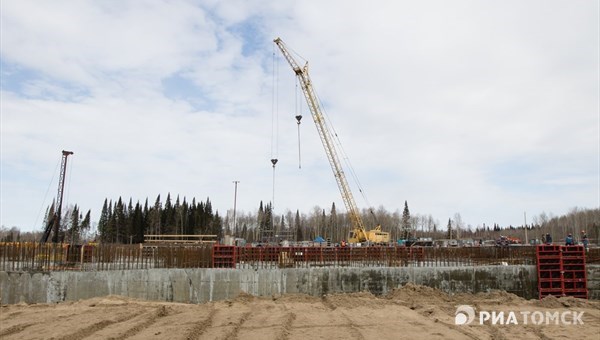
53,224
326,139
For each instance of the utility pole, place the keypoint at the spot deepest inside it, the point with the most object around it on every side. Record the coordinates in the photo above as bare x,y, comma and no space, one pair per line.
235,233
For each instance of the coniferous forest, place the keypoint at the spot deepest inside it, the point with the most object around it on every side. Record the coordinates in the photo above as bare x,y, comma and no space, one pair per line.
128,222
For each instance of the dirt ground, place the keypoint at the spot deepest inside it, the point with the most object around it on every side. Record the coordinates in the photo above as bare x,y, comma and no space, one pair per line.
411,312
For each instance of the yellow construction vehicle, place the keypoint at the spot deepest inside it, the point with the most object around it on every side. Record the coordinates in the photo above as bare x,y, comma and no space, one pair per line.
358,234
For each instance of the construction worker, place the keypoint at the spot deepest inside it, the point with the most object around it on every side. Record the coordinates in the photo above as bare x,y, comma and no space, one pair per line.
548,239
585,240
569,241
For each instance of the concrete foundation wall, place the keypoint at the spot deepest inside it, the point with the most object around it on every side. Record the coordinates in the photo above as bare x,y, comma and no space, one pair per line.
201,285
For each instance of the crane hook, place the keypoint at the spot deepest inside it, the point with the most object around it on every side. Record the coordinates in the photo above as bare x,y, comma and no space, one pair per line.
274,161
299,118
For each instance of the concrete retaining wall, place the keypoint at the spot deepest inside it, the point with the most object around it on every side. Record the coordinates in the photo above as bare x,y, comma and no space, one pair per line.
201,285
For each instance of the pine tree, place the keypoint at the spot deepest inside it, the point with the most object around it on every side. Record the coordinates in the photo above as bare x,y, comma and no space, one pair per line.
281,229
268,224
333,225
207,214
137,225
449,229
168,216
86,223
103,221
245,232
156,216
261,218
323,225
192,217
120,222
49,216
177,218
185,219
111,225
406,227
74,225
298,227
217,225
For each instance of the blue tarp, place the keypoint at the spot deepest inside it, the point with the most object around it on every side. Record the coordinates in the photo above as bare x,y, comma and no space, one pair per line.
319,239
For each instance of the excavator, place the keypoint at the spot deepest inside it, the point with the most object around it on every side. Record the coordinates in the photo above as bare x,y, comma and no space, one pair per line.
359,234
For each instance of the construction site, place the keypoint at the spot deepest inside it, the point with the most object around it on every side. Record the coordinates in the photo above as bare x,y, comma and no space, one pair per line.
225,292
366,286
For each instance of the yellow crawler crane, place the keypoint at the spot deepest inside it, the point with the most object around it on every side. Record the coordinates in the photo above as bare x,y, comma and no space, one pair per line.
358,234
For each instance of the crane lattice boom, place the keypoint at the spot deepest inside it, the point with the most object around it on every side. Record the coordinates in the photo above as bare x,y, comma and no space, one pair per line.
326,138
53,225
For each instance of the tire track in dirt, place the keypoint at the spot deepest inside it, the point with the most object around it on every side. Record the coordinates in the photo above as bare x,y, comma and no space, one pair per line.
328,303
158,313
9,315
44,314
354,331
199,329
236,329
496,334
91,329
461,329
286,326
14,329
538,332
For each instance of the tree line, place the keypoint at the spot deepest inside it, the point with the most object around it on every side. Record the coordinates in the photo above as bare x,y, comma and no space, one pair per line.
122,222
74,225
127,222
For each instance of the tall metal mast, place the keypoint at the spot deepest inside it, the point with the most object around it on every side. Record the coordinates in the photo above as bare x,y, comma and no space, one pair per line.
54,222
326,137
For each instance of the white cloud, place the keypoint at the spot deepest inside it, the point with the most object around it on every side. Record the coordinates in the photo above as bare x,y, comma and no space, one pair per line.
487,109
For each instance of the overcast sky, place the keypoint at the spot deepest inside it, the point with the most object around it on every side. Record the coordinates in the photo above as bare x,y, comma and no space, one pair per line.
485,108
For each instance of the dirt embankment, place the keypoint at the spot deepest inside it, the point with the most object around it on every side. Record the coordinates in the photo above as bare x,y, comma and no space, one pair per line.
411,312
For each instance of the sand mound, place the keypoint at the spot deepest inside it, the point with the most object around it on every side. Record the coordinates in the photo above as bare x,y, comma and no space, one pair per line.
353,300
106,301
297,298
411,292
412,311
244,298
566,302
498,297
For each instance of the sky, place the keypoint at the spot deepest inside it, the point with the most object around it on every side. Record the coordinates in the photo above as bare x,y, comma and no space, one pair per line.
488,109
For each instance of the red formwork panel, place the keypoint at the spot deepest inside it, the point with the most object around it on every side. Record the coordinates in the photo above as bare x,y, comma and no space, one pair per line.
417,252
574,271
549,267
224,256
561,271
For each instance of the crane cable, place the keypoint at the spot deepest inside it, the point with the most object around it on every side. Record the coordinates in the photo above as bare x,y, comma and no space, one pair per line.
70,175
343,153
46,196
298,121
336,139
274,121
69,183
69,218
